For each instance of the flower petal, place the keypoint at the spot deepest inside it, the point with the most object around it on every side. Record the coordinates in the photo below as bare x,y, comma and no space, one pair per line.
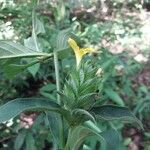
87,50
73,44
79,52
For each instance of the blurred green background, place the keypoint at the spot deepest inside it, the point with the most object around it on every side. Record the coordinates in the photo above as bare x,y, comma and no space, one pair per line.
118,30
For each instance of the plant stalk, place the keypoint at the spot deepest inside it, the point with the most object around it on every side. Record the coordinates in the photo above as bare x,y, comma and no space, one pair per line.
67,143
61,125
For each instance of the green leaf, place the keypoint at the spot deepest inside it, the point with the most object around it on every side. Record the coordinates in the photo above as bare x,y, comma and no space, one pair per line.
85,147
30,142
114,97
34,69
47,91
52,119
37,25
147,134
111,112
48,88
10,49
62,42
13,69
92,126
14,107
109,138
112,140
37,28
144,102
127,141
61,11
20,140
107,64
78,135
82,115
48,95
32,42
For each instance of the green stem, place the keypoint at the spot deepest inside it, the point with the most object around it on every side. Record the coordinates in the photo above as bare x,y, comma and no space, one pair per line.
67,143
57,75
61,127
40,60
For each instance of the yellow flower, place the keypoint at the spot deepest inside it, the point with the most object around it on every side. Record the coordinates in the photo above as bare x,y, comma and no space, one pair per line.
79,52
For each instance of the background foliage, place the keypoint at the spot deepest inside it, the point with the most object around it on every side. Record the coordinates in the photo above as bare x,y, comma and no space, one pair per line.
118,30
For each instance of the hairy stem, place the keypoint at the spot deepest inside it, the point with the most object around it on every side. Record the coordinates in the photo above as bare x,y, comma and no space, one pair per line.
56,64
61,125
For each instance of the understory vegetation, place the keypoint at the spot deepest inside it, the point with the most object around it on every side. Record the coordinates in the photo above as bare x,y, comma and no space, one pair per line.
74,75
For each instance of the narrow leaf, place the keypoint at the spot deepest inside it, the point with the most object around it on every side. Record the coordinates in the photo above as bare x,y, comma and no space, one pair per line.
114,97
30,142
20,140
37,27
82,115
52,119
